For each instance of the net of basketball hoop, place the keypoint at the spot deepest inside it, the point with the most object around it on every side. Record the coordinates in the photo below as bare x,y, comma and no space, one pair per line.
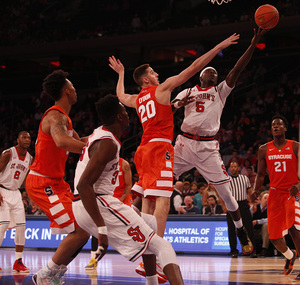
219,2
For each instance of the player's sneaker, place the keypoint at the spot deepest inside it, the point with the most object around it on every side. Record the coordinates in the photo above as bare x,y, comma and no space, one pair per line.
92,265
289,263
161,277
60,274
46,277
297,277
20,267
247,246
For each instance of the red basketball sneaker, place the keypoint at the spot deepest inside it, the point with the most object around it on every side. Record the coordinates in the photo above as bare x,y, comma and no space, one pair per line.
20,267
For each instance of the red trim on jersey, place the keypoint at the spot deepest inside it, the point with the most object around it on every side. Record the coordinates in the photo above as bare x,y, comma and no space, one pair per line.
204,89
19,154
111,133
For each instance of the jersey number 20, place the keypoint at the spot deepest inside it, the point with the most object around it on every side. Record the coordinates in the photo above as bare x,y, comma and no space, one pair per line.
147,111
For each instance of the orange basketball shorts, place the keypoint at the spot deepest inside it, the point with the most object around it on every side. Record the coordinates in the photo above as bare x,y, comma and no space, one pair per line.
283,213
154,163
54,197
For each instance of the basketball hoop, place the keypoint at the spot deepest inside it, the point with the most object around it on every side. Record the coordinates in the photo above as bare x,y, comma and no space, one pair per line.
219,2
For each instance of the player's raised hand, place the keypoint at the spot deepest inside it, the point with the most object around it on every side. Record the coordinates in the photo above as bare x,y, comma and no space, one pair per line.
257,35
116,64
232,40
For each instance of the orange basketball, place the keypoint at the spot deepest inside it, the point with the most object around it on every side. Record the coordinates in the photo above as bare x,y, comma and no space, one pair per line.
266,16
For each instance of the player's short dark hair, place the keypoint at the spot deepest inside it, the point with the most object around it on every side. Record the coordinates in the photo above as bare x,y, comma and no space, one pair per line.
139,72
54,83
283,118
108,107
212,196
22,132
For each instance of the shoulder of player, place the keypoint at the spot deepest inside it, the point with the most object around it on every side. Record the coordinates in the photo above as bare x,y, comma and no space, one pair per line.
5,155
262,151
55,116
104,145
296,147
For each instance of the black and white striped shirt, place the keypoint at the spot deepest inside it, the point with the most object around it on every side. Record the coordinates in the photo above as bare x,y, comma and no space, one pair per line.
239,186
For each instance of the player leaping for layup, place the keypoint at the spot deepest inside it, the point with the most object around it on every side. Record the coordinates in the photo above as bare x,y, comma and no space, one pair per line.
197,147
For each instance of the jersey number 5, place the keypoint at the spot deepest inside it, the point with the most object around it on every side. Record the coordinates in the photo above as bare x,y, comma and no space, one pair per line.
147,111
200,106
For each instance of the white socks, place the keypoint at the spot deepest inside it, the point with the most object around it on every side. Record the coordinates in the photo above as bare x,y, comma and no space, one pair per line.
152,280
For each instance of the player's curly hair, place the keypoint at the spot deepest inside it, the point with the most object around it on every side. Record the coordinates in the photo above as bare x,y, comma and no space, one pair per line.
139,72
108,107
286,124
54,83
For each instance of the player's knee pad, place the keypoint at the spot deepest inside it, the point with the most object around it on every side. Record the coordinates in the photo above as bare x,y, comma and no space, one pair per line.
3,229
150,221
163,250
20,235
225,193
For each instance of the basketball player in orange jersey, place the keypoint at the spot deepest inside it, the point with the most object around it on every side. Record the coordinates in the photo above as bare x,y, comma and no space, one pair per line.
122,192
14,166
280,157
45,182
155,155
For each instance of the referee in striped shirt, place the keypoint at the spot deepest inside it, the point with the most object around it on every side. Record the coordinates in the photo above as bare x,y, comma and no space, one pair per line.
240,187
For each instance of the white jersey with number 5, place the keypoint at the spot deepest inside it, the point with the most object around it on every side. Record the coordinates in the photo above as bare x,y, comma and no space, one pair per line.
108,179
202,117
14,173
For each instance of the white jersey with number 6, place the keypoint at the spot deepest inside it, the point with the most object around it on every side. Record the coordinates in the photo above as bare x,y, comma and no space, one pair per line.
202,117
108,179
14,173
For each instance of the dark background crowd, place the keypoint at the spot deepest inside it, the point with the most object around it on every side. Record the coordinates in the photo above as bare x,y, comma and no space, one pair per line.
269,85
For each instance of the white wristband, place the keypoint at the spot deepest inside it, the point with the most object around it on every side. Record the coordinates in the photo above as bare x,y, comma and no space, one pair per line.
102,230
176,105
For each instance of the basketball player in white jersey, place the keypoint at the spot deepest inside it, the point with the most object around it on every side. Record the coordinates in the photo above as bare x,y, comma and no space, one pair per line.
196,146
106,217
14,164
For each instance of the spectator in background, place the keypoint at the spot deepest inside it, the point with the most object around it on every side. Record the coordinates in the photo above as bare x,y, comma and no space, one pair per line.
189,208
176,198
210,190
246,164
213,207
235,158
251,175
194,188
198,196
186,188
260,221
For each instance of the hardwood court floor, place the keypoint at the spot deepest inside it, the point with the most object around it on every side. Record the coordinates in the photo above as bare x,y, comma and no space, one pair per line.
115,269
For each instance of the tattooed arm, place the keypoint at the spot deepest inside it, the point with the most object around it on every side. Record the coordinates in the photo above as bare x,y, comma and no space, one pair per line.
56,124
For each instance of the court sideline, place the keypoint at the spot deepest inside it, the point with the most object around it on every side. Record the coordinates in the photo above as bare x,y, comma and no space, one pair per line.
115,269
